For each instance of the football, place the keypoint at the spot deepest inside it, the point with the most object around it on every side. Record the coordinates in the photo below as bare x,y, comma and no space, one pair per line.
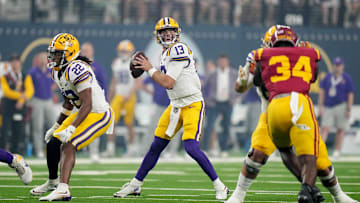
136,72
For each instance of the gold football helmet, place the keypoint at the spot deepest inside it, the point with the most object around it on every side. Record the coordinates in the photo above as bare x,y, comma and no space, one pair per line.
63,49
125,49
167,23
126,45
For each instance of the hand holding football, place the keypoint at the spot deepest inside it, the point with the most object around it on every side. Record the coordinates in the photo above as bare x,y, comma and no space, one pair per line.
136,72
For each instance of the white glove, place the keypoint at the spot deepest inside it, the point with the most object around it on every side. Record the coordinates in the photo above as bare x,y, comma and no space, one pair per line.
66,133
50,132
243,76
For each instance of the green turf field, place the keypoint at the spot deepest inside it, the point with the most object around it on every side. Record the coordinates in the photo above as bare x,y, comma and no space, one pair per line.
173,182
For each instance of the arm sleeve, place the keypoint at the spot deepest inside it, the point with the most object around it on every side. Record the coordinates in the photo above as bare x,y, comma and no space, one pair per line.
29,87
8,92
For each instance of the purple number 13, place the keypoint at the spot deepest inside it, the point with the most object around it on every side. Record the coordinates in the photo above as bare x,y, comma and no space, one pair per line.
179,50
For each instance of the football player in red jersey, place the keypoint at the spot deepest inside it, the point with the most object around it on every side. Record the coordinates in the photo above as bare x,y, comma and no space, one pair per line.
262,146
287,72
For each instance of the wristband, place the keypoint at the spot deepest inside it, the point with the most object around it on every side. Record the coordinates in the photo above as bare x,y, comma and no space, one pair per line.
66,112
151,72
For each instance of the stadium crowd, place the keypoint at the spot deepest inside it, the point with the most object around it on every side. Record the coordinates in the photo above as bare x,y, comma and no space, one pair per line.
326,13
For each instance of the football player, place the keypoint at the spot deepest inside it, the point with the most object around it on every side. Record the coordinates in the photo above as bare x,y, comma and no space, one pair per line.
73,130
262,146
122,94
178,75
287,71
18,163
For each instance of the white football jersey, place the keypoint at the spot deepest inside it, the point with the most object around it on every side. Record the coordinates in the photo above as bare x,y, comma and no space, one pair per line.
124,80
264,101
78,76
178,63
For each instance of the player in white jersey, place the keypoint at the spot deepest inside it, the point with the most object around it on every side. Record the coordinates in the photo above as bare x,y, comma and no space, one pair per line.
178,75
74,130
262,146
123,95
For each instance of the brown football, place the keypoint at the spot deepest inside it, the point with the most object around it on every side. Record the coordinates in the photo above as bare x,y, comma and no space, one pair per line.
136,72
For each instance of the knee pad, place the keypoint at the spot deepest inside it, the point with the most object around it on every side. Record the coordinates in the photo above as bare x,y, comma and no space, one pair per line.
252,166
329,179
252,152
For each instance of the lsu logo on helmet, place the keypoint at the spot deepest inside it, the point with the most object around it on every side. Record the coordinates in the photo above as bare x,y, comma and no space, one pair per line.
167,23
63,49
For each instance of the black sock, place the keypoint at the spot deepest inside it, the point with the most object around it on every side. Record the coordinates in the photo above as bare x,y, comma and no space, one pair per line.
53,157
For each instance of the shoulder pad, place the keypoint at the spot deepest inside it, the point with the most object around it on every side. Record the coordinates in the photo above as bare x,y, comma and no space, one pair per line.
318,56
258,54
179,51
250,57
77,72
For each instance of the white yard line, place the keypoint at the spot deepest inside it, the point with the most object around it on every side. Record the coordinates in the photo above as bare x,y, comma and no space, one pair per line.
100,172
162,189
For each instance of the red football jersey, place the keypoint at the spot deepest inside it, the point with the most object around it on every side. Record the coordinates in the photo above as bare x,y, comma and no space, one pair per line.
287,69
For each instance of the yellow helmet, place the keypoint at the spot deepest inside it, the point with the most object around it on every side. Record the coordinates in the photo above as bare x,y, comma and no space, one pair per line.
63,49
126,45
167,23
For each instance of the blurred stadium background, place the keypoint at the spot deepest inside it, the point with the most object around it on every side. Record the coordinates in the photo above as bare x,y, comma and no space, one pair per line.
210,27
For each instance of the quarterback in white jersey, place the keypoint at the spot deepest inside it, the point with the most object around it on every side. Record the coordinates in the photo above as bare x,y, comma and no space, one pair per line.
74,130
186,110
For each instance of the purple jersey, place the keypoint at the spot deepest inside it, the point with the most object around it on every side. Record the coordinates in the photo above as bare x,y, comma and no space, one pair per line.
42,83
336,89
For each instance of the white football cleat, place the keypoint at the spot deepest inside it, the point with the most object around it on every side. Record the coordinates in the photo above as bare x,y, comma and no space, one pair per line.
343,198
221,190
22,169
237,197
49,185
221,194
61,193
131,188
